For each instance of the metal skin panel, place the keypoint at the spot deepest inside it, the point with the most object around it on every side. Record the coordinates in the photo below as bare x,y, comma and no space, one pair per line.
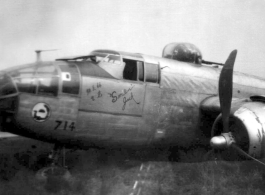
178,124
187,83
60,123
109,130
118,113
208,76
112,96
111,111
179,115
151,114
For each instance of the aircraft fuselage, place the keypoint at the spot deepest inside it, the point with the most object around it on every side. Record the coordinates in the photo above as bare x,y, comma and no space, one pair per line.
104,104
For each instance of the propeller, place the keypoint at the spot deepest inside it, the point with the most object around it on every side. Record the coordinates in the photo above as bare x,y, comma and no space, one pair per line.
226,89
226,139
225,97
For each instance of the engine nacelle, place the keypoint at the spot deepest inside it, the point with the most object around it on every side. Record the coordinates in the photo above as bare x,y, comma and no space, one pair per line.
247,125
185,52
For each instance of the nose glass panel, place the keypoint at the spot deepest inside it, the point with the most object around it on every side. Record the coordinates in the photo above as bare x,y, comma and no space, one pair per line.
42,80
7,86
8,95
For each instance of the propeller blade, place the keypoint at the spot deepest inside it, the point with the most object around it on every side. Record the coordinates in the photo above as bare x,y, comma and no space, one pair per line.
226,89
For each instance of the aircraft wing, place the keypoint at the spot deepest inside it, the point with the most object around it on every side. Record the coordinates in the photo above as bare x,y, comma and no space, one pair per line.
212,104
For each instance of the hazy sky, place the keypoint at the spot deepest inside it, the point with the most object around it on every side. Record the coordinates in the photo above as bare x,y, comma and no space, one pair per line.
143,26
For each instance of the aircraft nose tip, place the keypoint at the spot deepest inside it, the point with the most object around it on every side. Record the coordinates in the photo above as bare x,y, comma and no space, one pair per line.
218,142
8,95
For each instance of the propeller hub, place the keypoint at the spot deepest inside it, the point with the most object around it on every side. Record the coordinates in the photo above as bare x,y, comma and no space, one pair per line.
222,141
218,142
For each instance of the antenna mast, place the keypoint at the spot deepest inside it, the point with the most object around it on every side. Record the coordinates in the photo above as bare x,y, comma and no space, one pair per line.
38,53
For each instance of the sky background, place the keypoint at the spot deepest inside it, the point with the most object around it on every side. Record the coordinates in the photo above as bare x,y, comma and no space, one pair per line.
140,26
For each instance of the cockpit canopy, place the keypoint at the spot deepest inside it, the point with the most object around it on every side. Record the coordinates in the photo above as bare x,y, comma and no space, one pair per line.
185,52
117,65
64,75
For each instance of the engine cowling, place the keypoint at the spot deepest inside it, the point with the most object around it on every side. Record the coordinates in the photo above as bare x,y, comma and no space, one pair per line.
247,127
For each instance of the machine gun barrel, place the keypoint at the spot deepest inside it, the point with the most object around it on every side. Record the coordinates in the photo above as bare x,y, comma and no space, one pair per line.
208,62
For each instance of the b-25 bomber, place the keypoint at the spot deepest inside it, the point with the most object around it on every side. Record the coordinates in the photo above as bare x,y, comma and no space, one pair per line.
130,100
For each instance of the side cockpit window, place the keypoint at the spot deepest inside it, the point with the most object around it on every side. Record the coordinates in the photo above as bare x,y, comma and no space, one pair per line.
139,71
152,72
127,66
133,70
70,79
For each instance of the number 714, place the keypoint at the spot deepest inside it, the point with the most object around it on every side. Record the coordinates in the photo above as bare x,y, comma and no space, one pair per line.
65,125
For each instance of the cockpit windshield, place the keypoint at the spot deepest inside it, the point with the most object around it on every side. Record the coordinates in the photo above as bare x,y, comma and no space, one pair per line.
107,58
112,63
118,65
97,58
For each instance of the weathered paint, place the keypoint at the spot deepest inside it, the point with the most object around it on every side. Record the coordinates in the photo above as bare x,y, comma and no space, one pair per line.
252,116
112,111
184,87
112,96
63,111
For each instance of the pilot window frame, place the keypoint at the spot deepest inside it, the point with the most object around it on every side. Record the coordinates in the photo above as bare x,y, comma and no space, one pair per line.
44,76
65,77
137,70
133,70
28,80
111,63
152,73
25,79
109,58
